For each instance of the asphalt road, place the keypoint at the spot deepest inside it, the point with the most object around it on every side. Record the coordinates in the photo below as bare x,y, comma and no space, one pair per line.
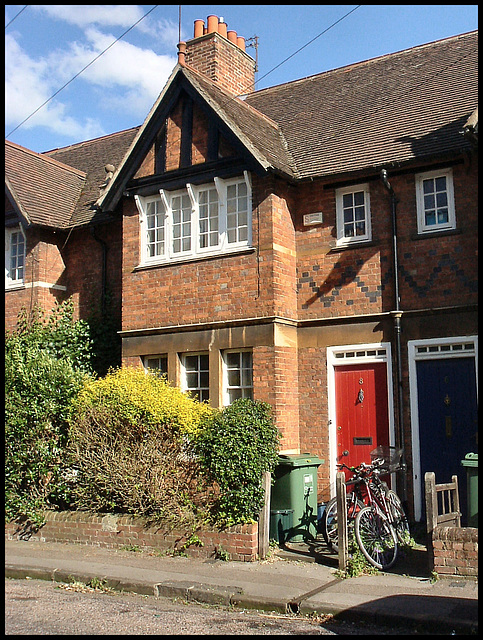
38,607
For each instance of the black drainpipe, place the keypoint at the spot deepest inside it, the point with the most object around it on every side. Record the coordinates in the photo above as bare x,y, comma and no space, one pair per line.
104,268
396,315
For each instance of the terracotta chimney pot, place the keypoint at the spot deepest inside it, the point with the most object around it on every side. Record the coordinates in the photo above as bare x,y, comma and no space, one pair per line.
222,28
231,35
212,24
241,42
181,53
199,27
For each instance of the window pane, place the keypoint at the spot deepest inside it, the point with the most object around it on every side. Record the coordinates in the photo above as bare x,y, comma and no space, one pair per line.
442,216
429,202
233,359
440,183
430,217
234,379
428,186
360,228
348,215
234,394
347,200
192,380
204,361
191,363
247,359
359,198
442,199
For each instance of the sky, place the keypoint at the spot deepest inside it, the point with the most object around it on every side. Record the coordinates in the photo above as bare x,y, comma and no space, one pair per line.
47,45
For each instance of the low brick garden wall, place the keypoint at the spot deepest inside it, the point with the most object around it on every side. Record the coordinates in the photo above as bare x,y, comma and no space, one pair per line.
234,543
455,551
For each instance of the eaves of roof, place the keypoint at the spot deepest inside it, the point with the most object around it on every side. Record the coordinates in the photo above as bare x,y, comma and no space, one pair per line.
258,134
45,190
91,157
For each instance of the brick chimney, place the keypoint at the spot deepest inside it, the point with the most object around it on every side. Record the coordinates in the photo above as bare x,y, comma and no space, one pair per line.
220,55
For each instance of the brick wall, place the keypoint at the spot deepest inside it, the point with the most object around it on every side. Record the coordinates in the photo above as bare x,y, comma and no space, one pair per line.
106,530
44,265
435,271
83,257
455,551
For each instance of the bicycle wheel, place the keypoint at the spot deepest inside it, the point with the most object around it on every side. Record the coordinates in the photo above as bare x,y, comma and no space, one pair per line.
376,538
400,523
330,523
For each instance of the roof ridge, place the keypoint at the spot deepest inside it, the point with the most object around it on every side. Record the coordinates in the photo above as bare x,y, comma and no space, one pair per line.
85,142
234,97
45,158
351,65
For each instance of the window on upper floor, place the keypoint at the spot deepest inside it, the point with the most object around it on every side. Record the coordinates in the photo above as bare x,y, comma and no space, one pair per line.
237,375
196,221
435,201
353,214
196,375
15,246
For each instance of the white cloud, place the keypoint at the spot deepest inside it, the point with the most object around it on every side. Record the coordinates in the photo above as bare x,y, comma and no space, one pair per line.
27,86
82,15
127,78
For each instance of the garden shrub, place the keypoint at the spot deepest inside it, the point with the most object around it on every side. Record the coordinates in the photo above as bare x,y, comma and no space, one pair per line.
58,334
130,442
39,390
238,444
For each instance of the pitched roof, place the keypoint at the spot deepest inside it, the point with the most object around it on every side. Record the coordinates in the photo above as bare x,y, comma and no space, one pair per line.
45,191
260,134
387,110
91,157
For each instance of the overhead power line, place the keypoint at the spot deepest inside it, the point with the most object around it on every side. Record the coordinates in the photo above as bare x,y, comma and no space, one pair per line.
81,71
309,42
9,23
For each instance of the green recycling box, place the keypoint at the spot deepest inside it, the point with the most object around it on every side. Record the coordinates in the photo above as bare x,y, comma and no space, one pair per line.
471,464
295,489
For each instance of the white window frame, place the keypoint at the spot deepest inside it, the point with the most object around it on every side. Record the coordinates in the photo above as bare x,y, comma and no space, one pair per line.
184,376
226,386
195,251
420,208
11,283
339,196
142,205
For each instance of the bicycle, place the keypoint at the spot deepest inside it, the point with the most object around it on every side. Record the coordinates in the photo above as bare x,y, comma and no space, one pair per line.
355,502
383,522
380,525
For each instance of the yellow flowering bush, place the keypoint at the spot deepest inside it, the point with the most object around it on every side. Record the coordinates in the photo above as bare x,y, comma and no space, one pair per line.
143,401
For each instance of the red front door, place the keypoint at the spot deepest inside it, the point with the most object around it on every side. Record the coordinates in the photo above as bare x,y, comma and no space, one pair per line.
362,419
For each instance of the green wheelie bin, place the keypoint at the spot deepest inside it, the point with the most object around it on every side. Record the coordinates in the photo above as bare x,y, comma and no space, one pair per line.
471,464
295,489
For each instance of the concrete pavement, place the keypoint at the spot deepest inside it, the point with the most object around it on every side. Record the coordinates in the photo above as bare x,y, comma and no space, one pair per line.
284,583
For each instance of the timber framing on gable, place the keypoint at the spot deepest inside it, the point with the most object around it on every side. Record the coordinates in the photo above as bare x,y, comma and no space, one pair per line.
225,154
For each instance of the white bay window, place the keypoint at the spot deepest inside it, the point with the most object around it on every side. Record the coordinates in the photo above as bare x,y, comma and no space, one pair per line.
196,221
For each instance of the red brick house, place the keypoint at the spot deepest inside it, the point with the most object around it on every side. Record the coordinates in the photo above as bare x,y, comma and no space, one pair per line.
312,245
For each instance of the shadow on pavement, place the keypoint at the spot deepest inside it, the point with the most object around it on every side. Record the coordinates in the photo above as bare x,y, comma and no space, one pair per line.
411,561
437,614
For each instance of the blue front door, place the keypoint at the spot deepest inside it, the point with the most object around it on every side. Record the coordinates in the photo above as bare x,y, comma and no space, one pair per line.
447,406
